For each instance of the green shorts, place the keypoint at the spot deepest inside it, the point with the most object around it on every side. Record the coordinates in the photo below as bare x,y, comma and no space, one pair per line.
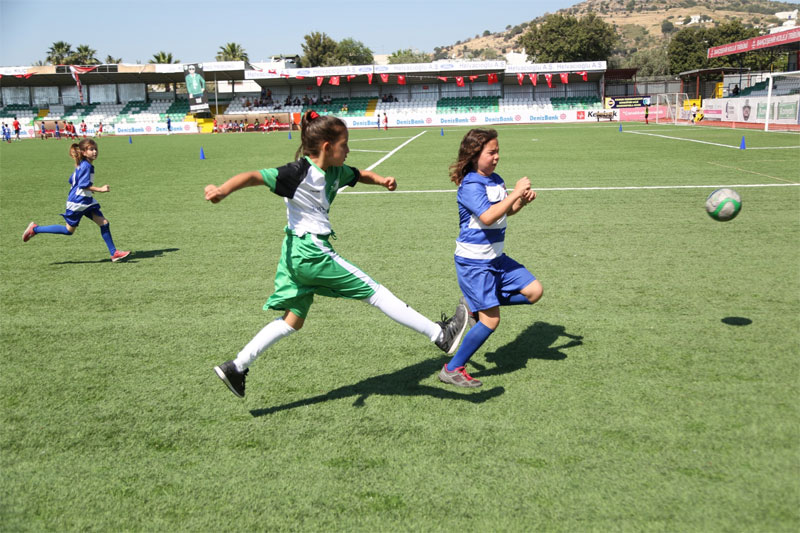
309,265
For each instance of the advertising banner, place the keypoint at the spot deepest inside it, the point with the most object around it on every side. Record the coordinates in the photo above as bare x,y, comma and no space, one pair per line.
477,119
785,109
196,87
618,102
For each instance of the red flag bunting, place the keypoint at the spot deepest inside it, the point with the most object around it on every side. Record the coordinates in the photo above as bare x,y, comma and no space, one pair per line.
460,81
442,78
583,75
385,78
319,80
299,77
401,79
334,80
492,78
369,78
472,78
520,77
564,77
533,78
350,77
549,79
26,76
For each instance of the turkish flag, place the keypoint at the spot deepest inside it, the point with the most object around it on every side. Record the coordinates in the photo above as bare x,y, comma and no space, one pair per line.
460,81
369,78
564,77
472,78
334,80
520,77
401,79
442,78
533,78
319,80
583,74
350,77
492,78
549,79
385,78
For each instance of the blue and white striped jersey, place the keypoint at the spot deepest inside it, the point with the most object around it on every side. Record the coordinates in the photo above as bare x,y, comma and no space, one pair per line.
80,197
476,195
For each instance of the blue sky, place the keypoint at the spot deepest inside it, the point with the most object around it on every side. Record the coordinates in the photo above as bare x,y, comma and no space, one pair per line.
193,31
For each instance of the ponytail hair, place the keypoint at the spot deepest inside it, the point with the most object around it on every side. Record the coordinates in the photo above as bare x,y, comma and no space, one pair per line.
77,149
471,147
316,129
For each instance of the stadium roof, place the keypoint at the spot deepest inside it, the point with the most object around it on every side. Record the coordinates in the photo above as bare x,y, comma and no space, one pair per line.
713,71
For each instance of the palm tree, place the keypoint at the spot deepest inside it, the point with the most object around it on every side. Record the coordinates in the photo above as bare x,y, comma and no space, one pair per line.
84,55
111,60
162,58
232,52
59,53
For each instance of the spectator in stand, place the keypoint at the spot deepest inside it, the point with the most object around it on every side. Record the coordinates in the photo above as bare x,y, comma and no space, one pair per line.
736,90
256,125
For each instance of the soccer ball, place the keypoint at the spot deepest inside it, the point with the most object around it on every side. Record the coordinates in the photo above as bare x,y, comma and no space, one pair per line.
723,204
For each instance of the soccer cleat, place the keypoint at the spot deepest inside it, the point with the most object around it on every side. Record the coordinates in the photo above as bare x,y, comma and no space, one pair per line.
26,236
458,377
452,329
119,255
231,377
472,316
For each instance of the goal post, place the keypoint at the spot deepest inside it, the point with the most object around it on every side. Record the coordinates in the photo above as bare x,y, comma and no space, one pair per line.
670,108
782,109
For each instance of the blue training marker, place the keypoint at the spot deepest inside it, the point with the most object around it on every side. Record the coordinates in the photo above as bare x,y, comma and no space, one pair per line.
202,154
742,146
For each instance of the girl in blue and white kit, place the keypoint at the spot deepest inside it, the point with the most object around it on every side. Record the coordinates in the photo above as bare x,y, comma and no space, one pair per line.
309,265
487,276
81,202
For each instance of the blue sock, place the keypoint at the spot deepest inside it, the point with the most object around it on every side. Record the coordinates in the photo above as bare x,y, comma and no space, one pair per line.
473,340
55,228
514,299
106,233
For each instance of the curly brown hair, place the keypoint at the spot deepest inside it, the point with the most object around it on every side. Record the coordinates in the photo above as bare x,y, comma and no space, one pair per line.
471,147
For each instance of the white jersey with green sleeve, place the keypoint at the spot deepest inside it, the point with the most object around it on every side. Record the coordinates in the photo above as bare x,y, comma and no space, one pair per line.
308,192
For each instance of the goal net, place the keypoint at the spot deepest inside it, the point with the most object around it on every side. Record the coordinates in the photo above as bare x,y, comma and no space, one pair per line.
781,110
671,108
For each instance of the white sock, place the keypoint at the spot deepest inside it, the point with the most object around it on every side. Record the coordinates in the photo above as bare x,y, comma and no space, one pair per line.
401,313
269,335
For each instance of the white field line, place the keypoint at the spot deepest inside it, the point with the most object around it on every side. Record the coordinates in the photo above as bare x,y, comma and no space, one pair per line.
390,154
708,142
647,188
749,171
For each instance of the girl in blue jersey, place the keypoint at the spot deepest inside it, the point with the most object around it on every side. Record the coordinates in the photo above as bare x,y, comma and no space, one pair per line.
309,265
81,202
488,277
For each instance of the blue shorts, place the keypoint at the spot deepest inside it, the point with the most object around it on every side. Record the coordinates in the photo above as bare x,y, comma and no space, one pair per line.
73,218
483,283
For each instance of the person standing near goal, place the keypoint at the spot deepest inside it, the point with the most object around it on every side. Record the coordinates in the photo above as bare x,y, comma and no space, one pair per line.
694,113
308,264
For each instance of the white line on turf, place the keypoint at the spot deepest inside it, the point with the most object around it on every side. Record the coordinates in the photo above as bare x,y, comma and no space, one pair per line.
390,154
621,188
708,142
749,171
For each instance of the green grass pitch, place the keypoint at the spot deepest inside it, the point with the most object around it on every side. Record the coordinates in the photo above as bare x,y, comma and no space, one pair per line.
653,388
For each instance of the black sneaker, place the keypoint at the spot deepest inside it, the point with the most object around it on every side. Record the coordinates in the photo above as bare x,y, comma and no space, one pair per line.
231,377
452,329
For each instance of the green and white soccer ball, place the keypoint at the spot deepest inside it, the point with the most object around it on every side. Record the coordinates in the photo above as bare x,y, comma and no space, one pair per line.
723,204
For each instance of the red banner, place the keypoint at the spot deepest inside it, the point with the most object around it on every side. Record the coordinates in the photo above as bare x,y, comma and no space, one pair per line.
533,78
549,79
334,80
564,77
492,78
755,43
521,77
369,78
319,80
460,81
385,78
583,75
401,79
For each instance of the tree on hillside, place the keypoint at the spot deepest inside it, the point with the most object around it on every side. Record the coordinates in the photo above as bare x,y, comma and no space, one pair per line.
688,50
231,52
350,52
318,49
563,38
408,56
84,55
59,53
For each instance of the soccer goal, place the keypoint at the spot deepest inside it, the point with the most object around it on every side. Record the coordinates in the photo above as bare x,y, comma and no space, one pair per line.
783,101
670,108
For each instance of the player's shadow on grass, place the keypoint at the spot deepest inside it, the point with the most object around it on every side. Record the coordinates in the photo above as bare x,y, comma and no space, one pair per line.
404,382
141,254
536,342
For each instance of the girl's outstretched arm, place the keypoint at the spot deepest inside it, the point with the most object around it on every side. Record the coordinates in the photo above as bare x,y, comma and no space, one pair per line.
371,178
215,194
